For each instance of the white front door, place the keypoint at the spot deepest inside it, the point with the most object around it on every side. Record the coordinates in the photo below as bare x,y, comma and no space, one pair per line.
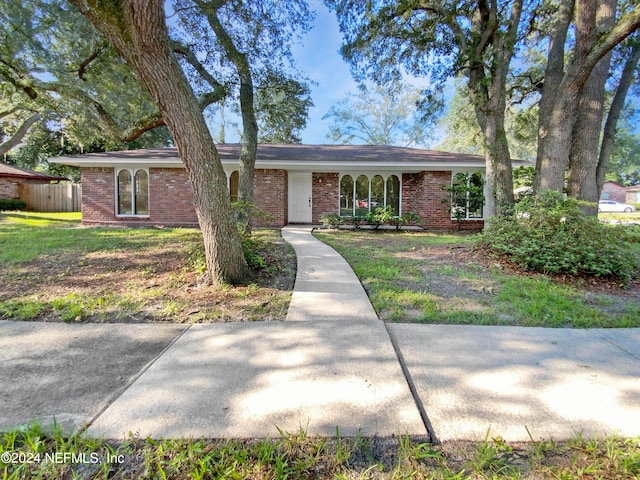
300,201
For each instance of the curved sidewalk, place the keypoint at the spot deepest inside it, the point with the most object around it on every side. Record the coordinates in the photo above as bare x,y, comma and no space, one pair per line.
326,287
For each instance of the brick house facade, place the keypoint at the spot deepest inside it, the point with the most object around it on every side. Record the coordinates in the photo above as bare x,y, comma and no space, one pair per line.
293,184
613,191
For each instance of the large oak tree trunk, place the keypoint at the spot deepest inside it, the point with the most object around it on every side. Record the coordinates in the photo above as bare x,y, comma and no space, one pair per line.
583,157
138,30
554,73
561,104
249,149
489,100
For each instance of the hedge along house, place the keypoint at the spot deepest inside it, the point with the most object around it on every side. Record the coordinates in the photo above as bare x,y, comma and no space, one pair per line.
293,184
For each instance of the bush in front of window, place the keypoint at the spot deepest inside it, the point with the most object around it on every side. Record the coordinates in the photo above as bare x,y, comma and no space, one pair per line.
331,220
380,216
408,218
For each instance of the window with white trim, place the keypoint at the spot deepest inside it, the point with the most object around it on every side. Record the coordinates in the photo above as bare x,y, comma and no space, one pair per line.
366,193
467,196
132,192
233,185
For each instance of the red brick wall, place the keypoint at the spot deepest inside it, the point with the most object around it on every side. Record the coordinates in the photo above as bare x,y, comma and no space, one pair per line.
325,188
170,198
98,195
422,194
8,188
270,190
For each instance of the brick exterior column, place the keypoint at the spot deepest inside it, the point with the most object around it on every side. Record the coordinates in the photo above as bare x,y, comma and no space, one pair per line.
98,195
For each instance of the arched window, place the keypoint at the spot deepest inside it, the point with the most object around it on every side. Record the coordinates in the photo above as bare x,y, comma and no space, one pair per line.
393,194
141,193
233,186
346,196
124,193
132,192
362,195
377,192
365,194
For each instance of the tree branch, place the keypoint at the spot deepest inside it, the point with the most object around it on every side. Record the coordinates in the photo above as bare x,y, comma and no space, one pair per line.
17,137
86,63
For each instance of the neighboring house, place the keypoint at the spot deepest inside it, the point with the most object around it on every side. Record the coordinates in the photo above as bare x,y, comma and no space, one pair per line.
12,178
293,183
632,194
613,191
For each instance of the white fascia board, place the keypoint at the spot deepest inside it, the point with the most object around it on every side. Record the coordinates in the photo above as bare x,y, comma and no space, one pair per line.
115,162
289,165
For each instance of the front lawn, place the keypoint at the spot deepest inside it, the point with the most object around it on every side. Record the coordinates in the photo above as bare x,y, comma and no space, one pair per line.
54,269
439,278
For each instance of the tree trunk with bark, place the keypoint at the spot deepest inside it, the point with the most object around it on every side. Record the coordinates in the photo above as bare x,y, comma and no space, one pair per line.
561,104
138,30
583,157
610,126
249,149
489,99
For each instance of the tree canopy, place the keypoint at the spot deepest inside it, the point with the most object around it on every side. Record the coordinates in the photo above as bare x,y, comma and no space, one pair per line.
396,114
563,48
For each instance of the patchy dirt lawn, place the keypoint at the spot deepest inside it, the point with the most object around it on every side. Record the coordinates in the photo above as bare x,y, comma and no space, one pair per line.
154,280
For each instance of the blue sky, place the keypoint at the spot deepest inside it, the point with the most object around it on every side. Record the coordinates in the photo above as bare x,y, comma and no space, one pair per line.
319,59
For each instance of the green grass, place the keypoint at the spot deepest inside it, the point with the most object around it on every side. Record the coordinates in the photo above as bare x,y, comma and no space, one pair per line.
621,216
406,283
52,454
55,269
27,236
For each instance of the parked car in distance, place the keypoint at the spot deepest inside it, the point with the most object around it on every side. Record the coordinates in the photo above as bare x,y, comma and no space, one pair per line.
611,206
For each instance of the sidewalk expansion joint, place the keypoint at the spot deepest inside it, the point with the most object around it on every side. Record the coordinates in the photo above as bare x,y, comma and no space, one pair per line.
132,380
412,387
616,345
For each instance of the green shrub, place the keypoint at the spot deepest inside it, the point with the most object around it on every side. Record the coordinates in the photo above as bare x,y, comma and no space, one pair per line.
380,216
251,248
11,204
331,220
553,236
409,217
356,220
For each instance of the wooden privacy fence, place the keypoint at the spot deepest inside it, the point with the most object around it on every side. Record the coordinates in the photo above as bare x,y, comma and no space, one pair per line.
63,197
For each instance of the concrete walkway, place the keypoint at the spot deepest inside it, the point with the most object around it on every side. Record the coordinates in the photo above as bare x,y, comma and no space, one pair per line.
331,364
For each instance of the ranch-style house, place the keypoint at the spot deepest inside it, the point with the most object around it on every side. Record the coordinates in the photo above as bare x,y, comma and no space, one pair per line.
293,183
